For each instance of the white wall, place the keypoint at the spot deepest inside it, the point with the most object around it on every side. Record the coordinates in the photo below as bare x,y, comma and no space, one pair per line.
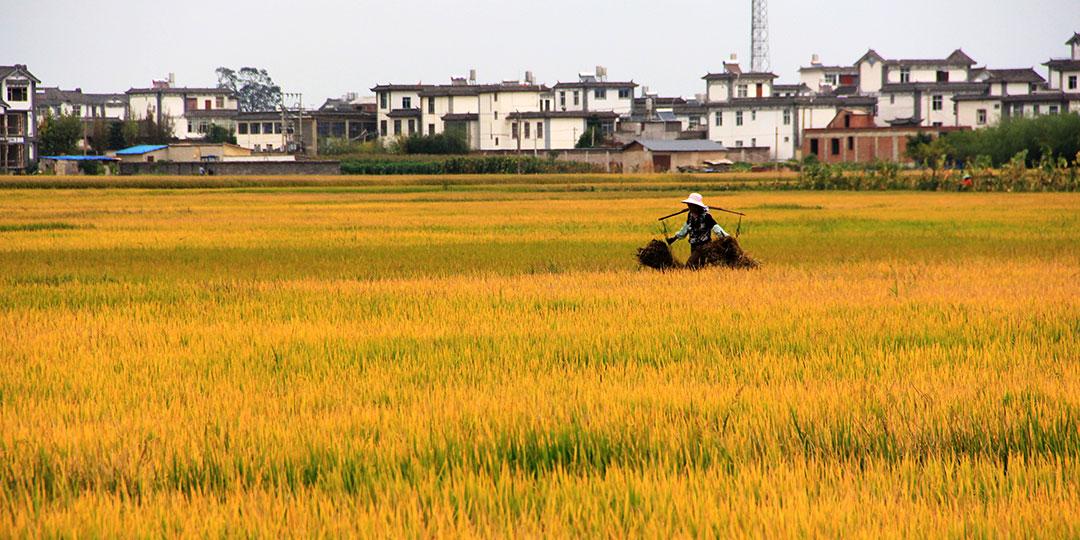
394,101
761,127
26,106
493,110
870,77
967,113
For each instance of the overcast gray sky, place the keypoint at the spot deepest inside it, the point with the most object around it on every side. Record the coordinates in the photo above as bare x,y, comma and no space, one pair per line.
325,48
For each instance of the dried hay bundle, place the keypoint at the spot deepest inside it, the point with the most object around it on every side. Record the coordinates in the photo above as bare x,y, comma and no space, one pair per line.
724,251
656,255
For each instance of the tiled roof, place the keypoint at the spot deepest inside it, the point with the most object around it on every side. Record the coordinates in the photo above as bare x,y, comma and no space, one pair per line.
1063,64
1027,75
179,90
933,86
212,113
957,58
778,101
563,114
750,75
597,84
690,145
461,117
403,113
50,96
5,71
844,70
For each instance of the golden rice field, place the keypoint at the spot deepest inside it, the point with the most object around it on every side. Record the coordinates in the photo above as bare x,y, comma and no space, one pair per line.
381,363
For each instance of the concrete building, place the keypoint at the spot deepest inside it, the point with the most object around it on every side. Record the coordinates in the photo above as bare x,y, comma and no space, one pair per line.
88,107
650,155
746,110
182,152
822,79
593,92
191,111
1064,73
18,122
855,137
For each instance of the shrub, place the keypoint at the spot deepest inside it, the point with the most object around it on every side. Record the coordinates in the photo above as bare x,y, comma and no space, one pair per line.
438,144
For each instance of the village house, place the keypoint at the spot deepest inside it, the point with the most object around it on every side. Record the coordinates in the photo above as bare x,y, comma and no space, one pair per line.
745,110
855,137
18,125
593,92
190,111
87,107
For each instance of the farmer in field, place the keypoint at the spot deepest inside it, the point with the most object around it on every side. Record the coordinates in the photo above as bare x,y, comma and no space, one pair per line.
699,227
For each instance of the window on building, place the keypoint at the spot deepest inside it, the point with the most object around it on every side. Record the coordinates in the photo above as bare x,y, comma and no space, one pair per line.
382,100
1072,82
382,128
577,98
719,118
242,128
256,128
787,117
528,128
936,103
496,141
431,129
1053,109
412,126
1018,109
431,105
268,128
397,127
600,93
787,139
191,127
942,76
980,117
76,109
220,102
738,118
625,93
562,98
753,116
496,113
495,96
835,146
277,128
17,93
258,148
937,124
814,146
539,130
830,79
753,142
741,91
905,75
892,99
1035,110
513,130
406,102
851,143
738,144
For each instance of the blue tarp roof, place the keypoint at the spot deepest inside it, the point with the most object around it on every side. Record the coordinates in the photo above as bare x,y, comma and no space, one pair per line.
80,158
141,149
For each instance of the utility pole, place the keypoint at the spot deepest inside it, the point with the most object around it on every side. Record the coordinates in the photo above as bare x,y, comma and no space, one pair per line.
759,35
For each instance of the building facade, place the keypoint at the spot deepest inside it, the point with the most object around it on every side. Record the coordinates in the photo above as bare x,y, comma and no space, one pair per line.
190,111
18,122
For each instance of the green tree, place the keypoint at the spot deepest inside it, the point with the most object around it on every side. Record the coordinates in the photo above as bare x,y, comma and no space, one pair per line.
255,90
220,134
60,135
591,138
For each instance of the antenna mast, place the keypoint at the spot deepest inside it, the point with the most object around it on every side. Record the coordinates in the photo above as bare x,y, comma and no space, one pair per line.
759,35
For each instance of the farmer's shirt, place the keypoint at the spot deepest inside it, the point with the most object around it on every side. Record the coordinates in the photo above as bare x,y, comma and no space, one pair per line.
699,228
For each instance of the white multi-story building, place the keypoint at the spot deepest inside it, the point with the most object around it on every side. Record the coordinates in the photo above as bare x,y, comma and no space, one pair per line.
511,116
18,125
85,106
595,93
747,109
191,111
1064,73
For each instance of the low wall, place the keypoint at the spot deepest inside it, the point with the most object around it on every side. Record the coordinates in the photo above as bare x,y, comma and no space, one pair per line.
234,168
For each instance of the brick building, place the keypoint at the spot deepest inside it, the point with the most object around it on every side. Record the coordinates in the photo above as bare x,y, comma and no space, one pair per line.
853,137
